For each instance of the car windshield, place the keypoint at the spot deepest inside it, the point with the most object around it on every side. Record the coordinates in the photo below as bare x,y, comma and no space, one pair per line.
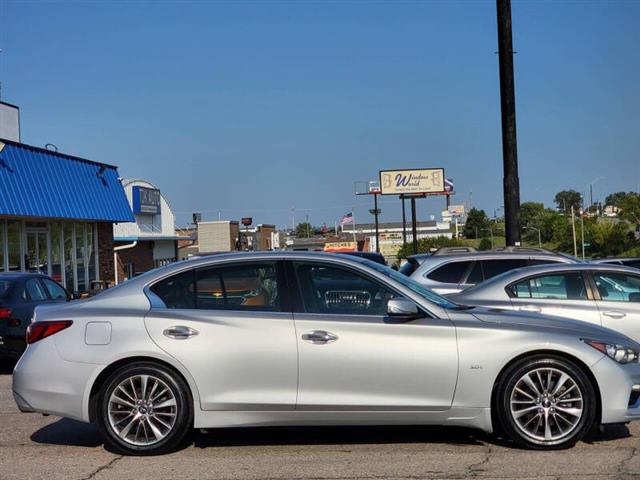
414,286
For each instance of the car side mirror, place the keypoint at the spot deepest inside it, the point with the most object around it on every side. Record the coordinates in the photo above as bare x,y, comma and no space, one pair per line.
403,309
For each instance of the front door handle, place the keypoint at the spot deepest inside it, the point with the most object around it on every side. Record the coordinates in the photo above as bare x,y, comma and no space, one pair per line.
614,314
530,308
180,332
319,337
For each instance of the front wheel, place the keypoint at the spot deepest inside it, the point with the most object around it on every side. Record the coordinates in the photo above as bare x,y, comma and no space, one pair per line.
545,402
144,409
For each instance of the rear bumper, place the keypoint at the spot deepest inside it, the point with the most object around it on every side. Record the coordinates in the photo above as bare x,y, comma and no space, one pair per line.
45,383
616,384
11,346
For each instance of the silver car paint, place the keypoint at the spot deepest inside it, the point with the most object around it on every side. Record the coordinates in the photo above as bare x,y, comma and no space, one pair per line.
620,316
56,374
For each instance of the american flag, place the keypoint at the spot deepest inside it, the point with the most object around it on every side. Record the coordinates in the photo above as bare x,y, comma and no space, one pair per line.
346,219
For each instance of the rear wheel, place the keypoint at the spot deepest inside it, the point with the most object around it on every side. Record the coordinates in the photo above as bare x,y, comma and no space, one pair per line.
144,409
545,402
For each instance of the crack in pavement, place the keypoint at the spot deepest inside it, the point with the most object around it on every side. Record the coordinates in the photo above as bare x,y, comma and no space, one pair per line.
621,474
106,466
476,468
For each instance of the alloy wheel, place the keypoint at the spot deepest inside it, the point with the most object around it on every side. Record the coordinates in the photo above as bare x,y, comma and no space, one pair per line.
546,405
142,410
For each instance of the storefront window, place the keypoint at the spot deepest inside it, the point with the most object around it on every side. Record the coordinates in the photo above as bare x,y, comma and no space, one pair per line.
56,259
91,254
14,244
69,257
80,257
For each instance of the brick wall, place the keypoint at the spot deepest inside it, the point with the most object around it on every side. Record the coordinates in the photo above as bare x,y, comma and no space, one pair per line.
141,256
105,251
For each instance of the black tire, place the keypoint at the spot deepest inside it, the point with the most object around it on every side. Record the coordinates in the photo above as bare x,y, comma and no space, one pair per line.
181,415
546,407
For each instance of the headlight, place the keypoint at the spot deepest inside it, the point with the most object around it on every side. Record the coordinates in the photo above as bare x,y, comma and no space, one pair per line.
619,353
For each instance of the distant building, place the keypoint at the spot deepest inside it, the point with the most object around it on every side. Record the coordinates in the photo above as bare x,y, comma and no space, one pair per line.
218,236
9,122
151,241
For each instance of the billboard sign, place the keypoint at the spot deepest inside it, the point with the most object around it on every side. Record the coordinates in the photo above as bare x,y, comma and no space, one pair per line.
456,210
146,200
419,181
341,247
246,221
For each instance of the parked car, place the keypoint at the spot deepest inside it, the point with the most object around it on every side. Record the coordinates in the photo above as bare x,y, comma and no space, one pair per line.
306,339
629,262
20,293
452,273
607,295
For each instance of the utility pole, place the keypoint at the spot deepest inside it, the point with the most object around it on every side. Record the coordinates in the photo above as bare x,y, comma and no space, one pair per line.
573,228
404,222
511,182
414,225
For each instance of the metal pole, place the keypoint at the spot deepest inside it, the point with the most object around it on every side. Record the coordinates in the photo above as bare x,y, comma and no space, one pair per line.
404,222
582,232
375,206
539,239
414,225
511,182
573,228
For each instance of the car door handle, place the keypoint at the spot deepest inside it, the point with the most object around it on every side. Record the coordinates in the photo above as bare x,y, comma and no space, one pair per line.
530,308
319,337
180,332
614,314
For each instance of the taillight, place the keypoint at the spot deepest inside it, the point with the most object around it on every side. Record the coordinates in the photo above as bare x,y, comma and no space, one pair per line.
5,313
39,330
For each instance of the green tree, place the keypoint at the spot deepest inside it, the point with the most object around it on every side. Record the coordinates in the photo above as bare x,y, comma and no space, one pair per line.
615,199
630,208
485,244
304,230
476,224
426,245
567,199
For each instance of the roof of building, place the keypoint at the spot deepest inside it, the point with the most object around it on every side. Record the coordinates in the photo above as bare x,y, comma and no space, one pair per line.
35,182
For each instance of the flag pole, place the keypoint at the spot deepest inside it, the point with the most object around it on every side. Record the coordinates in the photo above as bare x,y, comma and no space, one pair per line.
353,221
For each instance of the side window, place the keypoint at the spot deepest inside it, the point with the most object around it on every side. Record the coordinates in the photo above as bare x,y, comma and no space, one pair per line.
56,292
632,263
449,273
475,276
333,290
495,267
618,287
565,286
34,291
238,287
177,291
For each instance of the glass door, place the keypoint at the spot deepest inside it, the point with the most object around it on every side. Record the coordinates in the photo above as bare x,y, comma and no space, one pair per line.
36,258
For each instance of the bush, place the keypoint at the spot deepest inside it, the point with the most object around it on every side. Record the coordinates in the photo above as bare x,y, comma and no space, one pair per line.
485,244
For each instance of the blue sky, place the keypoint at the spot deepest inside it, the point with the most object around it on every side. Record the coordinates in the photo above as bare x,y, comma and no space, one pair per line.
253,108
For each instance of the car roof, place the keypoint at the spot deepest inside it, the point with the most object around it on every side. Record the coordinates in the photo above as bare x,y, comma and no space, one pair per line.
20,275
614,259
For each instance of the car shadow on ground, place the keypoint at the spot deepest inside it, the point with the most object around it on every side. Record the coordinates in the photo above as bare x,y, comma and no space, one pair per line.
6,367
74,433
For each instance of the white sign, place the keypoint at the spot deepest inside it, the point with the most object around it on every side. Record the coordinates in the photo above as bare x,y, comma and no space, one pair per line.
420,181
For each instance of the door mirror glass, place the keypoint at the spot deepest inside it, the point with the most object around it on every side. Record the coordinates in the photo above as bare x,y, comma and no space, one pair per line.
402,308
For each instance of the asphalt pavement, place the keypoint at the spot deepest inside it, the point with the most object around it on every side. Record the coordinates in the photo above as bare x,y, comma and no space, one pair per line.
35,447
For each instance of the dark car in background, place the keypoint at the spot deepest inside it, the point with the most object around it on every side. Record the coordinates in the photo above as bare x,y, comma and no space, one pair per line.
373,256
20,293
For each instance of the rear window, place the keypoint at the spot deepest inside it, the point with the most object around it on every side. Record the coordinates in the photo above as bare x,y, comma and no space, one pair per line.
5,285
449,273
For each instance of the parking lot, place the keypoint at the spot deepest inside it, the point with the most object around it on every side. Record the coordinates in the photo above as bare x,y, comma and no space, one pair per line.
35,447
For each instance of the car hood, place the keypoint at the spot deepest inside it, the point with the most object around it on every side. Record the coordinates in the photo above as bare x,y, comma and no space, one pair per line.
538,321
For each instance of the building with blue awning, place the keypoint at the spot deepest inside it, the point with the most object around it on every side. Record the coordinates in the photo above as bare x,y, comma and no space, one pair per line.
57,213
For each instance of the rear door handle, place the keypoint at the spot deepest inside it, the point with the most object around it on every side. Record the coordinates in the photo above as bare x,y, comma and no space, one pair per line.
614,314
530,308
319,337
180,332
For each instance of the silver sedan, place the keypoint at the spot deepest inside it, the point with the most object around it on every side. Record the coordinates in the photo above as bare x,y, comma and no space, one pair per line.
607,295
312,339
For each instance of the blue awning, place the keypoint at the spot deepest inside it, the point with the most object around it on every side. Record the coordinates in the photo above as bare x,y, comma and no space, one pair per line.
35,182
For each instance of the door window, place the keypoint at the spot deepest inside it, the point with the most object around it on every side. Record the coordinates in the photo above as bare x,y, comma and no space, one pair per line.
565,286
475,276
238,287
56,292
232,287
34,291
333,290
618,287
449,273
